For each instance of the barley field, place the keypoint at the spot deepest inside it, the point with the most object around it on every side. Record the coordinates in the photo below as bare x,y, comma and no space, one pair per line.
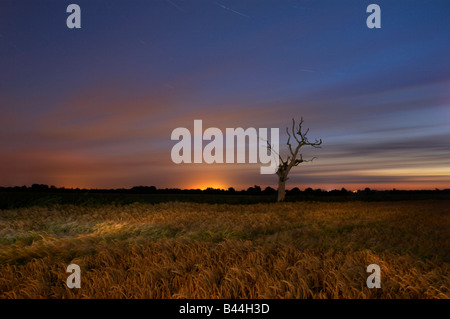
195,250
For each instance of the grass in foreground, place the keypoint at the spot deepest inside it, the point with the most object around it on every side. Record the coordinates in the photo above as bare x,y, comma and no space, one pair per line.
191,250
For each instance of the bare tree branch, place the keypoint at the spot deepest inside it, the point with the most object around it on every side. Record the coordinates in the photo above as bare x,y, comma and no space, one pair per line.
294,159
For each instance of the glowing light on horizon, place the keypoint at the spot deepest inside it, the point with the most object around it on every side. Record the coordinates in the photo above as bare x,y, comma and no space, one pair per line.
206,185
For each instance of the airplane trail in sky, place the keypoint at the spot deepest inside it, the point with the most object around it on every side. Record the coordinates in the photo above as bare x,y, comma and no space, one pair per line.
229,9
174,4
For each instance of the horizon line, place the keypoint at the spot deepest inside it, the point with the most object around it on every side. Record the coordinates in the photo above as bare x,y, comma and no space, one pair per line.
50,187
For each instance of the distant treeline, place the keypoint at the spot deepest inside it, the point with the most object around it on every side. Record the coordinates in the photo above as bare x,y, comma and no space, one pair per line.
44,195
254,190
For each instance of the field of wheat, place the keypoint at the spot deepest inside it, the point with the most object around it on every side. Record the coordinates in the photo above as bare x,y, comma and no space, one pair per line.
192,250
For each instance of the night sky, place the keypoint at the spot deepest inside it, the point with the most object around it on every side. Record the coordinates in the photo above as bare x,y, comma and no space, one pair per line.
95,107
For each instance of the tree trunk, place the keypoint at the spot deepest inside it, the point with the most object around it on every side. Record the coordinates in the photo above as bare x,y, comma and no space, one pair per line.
281,188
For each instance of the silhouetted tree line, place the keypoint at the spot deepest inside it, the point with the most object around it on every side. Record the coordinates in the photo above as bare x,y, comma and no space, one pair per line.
254,190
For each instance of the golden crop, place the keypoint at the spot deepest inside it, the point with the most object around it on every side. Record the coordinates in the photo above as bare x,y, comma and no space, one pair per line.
187,250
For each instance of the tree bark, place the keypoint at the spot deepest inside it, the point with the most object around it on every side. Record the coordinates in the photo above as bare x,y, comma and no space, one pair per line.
281,188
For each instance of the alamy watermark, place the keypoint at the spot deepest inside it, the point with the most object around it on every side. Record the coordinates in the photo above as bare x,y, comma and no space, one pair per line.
231,149
73,21
74,280
374,280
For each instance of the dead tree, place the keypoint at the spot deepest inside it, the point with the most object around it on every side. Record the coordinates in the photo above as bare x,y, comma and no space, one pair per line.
295,157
